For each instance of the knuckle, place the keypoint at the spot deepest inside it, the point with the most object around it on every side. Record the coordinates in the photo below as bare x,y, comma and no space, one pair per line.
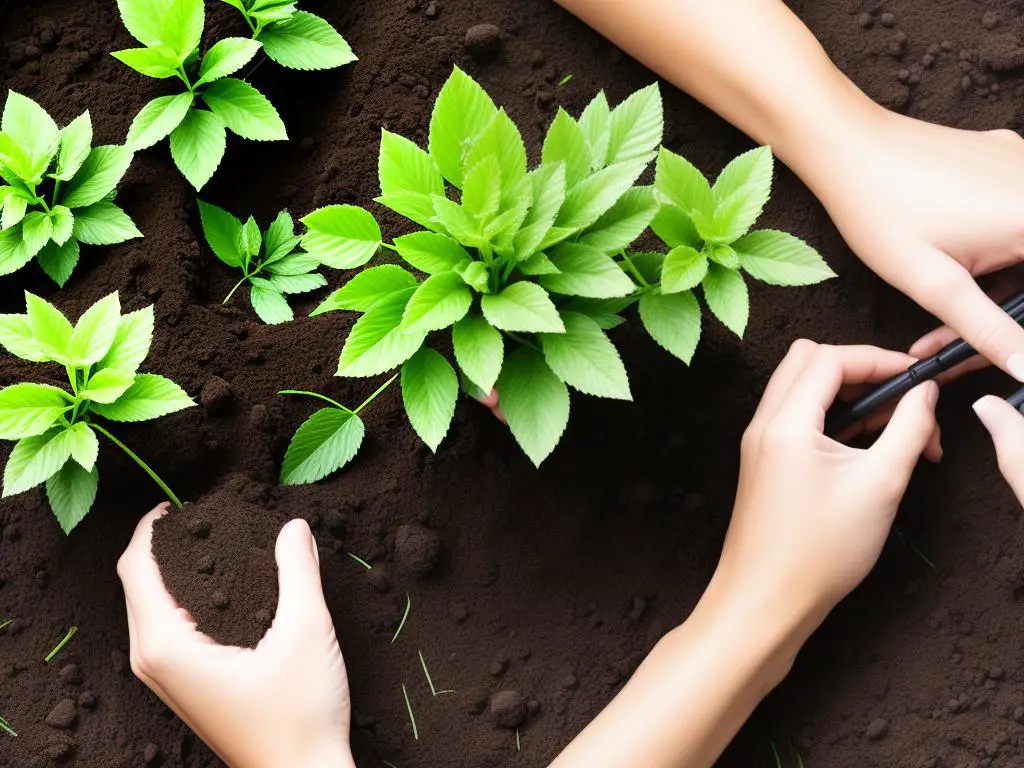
801,347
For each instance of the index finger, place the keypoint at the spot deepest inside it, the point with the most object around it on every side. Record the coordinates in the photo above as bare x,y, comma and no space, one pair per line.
148,599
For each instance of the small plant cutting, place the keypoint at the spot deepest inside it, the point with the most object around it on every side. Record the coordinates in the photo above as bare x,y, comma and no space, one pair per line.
170,32
58,190
529,268
294,38
56,428
326,442
269,261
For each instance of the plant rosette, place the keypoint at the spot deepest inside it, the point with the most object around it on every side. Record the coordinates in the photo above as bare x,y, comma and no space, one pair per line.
529,270
58,191
56,429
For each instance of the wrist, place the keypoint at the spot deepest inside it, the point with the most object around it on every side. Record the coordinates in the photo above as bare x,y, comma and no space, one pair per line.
329,755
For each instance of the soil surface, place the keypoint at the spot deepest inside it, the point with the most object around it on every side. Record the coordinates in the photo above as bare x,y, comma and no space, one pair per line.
534,594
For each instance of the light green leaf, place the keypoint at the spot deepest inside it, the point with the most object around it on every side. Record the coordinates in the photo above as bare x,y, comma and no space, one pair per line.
296,283
479,350
593,196
150,397
325,443
32,130
99,175
637,126
85,448
368,289
59,261
17,337
404,167
502,140
733,218
223,233
538,264
295,264
226,57
678,182
751,171
535,402
95,331
280,240
181,26
35,459
548,183
305,41
71,493
251,240
430,390
722,254
107,385
481,194
456,220
462,111
270,305
342,236
726,294
132,341
585,271
376,343
13,253
440,301
103,223
414,206
624,222
684,269
157,119
596,124
431,252
585,359
522,307
198,146
159,61
779,258
36,229
63,224
566,143
142,19
673,321
244,110
51,330
27,410
14,210
475,275
675,227
75,142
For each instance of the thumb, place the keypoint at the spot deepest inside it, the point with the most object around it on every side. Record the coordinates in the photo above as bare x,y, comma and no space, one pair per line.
1006,425
910,430
300,594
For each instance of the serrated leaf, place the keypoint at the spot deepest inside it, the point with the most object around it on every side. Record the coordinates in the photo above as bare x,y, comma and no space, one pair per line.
596,124
35,459
624,222
461,113
289,284
50,329
566,143
71,493
535,403
538,264
198,146
132,341
36,229
27,410
158,61
342,236
226,57
548,185
751,171
416,207
637,126
683,269
404,167
295,264
63,224
14,209
95,331
779,258
270,305
223,233
158,119
59,261
592,197
678,182
456,220
13,253
99,175
733,218
280,239
325,443
75,142
475,275
142,19
181,25
500,139
522,307
585,271
440,301
103,223
85,448
376,343
17,337
244,110
585,359
722,254
150,397
430,390
479,350
32,130
675,227
251,240
367,289
431,252
305,41
673,321
481,194
726,294
107,385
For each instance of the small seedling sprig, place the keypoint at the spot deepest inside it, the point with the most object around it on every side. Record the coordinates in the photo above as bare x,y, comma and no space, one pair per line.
60,646
58,190
56,429
269,261
405,616
6,727
430,682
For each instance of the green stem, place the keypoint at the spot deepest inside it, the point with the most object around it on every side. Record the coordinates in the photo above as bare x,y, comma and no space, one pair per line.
231,293
373,397
145,467
521,340
56,190
634,271
183,76
389,246
317,395
252,27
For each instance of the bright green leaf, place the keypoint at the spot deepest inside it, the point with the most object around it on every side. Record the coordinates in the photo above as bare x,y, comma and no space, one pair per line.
566,143
244,110
431,252
223,233
103,223
17,337
32,130
585,359
157,119
150,397
75,143
14,210
592,197
404,167
99,175
36,229
678,182
522,307
325,443
430,390
85,448
71,493
624,222
596,124
548,183
35,459
751,171
585,271
95,331
226,57
779,258
342,236
481,193
270,305
159,61
305,41
462,111
440,301
63,224
51,330
27,410
376,343
479,350
132,341
673,321
367,289
296,283
181,25
502,140
726,294
59,261
198,146
683,270
675,227
142,19
637,126
107,385
535,402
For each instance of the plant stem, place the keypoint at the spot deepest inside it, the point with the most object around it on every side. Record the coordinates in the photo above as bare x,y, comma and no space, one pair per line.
521,340
60,646
317,395
252,27
231,293
389,246
181,75
145,467
56,189
634,271
373,397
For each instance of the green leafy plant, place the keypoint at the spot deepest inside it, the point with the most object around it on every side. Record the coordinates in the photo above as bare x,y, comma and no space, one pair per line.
269,261
326,442
294,38
170,32
529,268
59,190
56,429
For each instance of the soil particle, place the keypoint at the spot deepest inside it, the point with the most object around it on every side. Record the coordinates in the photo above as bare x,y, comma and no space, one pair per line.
483,41
217,396
508,708
877,729
63,716
990,19
888,20
87,700
416,548
151,754
378,578
199,528
220,600
71,674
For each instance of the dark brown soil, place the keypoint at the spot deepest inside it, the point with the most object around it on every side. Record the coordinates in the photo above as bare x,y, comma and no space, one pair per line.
550,586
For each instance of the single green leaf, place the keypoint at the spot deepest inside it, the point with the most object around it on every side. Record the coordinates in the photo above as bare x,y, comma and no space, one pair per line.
17,337
596,124
475,275
548,186
51,330
59,261
158,119
415,206
479,350
14,254
223,233
624,222
678,182
305,41
673,321
637,126
535,402
431,252
159,61
14,210
270,305
481,194
342,236
85,448
132,341
430,390
32,130
95,331
27,410
107,385
71,493
538,264
251,240
75,142
99,175
368,289
566,143
585,271
181,25
439,302
142,19
198,146
585,359
779,258
150,397
404,167
325,443
376,343
522,307
289,284
35,459
683,270
675,227
244,110
733,218
103,223
63,224
592,197
751,171
295,264
36,230
502,140
726,294
461,113
458,222
280,239
722,254
226,57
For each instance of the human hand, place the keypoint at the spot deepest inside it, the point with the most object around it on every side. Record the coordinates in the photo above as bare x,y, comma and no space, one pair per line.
1006,425
295,678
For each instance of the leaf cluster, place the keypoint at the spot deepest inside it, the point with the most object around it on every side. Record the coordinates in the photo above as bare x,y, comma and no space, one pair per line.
58,190
56,428
213,103
270,262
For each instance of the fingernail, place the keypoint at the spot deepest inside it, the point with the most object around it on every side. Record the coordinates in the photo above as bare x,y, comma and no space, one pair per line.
1015,365
983,408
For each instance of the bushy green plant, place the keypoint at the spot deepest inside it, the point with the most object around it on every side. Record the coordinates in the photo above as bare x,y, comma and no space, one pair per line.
55,428
270,263
294,38
59,190
536,261
170,32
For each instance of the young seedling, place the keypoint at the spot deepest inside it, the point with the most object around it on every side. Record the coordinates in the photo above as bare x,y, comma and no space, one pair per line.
58,191
294,38
412,717
326,442
269,261
6,727
170,32
360,560
56,428
430,682
6,623
60,646
405,615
